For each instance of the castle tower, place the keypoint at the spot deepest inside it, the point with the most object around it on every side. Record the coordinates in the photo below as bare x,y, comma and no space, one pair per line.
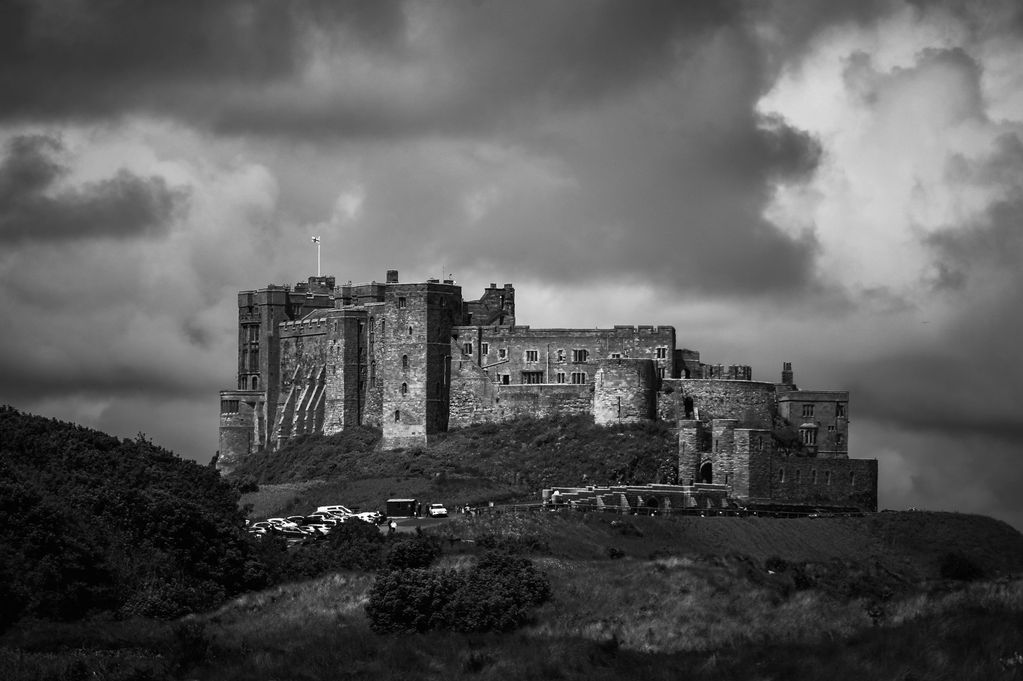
624,391
414,360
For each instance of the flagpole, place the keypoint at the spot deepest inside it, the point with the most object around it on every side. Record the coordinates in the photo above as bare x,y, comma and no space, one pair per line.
316,240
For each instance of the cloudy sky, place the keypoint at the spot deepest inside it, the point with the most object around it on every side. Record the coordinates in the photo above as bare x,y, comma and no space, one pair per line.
839,185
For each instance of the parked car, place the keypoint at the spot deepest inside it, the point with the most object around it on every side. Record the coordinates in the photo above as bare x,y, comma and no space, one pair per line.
437,511
336,509
372,517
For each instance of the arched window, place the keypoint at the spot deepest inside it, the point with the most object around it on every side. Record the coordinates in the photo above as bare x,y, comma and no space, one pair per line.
410,330
255,382
404,361
397,415
706,473
404,388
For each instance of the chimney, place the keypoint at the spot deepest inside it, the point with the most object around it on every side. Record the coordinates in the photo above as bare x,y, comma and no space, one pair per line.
786,373
392,276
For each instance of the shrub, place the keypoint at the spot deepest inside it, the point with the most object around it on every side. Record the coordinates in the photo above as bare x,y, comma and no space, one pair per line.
418,552
960,567
495,595
776,564
410,600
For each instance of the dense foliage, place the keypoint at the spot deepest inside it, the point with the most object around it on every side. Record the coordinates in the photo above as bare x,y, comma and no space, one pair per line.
497,594
351,546
91,522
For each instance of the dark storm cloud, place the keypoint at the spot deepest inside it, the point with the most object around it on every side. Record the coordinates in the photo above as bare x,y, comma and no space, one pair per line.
81,59
64,376
32,207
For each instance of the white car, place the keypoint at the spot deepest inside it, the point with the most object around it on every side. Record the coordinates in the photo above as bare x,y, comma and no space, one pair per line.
371,517
336,510
437,511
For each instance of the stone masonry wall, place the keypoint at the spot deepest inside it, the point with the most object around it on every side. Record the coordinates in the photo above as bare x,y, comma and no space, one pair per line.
751,403
624,391
303,353
473,395
811,480
553,355
241,425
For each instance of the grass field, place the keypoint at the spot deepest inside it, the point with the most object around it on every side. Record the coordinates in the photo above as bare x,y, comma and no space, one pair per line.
699,598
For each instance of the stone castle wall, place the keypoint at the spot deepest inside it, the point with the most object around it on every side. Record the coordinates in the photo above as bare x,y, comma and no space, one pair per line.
751,403
624,391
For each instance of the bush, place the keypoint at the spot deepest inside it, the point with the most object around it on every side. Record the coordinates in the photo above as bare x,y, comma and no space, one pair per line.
495,595
960,567
411,600
419,552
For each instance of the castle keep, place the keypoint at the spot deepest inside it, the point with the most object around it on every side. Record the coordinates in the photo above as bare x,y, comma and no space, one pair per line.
415,359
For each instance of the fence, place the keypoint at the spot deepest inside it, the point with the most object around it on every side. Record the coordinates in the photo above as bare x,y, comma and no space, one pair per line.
588,507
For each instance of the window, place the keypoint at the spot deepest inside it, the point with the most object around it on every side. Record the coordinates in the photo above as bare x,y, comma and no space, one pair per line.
383,326
831,429
505,379
760,444
662,353
840,409
781,475
616,355
397,415
255,382
228,406
807,411
580,355
532,377
852,479
660,372
402,302
404,362
717,445
827,477
561,377
561,355
404,388
502,353
372,337
813,476
578,377
839,438
467,349
372,371
485,348
809,436
532,355
410,330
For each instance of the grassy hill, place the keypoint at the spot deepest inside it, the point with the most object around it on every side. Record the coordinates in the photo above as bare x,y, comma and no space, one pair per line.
633,596
474,465
703,598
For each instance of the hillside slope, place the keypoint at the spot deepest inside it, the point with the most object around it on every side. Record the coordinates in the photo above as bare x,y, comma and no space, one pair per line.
531,453
93,523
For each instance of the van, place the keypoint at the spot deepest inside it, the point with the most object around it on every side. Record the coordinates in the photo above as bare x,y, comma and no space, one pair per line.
401,508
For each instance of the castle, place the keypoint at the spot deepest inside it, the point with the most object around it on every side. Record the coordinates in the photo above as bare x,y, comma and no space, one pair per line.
415,359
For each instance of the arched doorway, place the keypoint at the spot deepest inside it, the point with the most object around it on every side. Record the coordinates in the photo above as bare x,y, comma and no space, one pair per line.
706,473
